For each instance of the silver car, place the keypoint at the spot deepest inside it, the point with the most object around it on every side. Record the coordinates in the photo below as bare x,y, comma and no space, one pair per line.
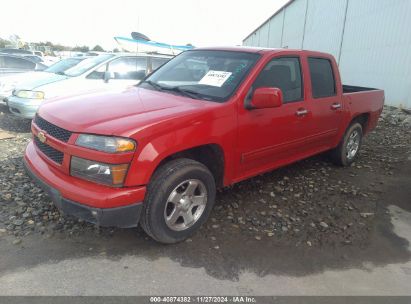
8,83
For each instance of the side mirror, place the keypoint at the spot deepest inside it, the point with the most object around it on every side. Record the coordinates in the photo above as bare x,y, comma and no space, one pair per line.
266,98
108,75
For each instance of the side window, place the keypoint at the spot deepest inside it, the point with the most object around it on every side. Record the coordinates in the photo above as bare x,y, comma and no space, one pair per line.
322,77
283,73
18,63
98,73
129,68
157,62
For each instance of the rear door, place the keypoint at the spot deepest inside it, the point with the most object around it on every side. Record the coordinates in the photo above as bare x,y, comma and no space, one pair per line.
324,102
274,136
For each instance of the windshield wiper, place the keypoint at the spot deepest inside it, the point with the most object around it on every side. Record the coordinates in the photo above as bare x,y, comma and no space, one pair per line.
188,93
154,85
177,89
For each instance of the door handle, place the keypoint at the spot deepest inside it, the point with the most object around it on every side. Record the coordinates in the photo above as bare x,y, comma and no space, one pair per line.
336,106
301,112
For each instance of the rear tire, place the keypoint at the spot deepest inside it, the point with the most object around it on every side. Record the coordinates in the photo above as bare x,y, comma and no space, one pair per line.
347,150
179,200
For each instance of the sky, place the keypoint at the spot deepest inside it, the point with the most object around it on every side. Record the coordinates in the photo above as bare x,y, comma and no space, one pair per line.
91,22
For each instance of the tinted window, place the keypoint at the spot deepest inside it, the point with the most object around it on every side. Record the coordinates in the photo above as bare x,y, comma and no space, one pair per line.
157,62
18,63
283,73
322,77
129,68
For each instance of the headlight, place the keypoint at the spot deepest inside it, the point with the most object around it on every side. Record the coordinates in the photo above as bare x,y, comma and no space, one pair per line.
106,143
30,94
107,174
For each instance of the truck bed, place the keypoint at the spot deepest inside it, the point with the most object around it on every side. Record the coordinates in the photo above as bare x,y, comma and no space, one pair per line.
362,100
354,89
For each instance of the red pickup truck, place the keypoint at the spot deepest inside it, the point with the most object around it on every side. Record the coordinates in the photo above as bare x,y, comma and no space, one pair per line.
154,154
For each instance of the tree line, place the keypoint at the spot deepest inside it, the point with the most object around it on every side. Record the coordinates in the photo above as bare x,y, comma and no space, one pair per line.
59,47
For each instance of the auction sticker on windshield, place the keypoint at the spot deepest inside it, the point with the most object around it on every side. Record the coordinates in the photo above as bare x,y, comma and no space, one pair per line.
215,78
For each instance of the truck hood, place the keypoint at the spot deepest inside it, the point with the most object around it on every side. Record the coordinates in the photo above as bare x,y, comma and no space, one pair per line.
33,80
120,113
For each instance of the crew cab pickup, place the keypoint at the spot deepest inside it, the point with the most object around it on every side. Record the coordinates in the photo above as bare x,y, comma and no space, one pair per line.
155,153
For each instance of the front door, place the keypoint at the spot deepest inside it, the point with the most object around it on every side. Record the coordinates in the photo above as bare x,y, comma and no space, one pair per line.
271,137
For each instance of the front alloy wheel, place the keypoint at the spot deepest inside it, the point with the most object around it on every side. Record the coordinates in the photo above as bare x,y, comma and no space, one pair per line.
179,199
185,205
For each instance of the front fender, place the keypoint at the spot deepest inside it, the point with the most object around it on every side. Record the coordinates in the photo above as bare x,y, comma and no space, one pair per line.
152,151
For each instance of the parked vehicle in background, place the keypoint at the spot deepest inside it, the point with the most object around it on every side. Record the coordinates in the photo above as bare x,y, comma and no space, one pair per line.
12,64
107,71
34,58
15,51
211,117
8,83
49,60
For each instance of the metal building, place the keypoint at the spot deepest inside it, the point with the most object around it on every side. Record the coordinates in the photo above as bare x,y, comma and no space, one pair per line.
370,39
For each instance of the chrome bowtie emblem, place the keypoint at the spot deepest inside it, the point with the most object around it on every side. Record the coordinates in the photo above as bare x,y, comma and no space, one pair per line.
42,137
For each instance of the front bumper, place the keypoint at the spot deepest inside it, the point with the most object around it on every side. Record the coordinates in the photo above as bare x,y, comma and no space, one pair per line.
73,196
4,95
23,107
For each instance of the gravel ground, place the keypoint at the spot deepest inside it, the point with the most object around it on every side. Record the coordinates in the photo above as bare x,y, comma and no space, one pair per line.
309,204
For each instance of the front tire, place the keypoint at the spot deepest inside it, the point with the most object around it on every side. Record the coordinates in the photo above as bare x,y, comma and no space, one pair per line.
179,200
347,150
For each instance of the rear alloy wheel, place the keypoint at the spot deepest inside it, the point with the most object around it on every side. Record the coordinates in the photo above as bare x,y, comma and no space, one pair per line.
179,200
353,145
347,150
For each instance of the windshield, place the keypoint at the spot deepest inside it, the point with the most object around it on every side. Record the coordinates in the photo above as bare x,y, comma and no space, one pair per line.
63,65
86,65
210,75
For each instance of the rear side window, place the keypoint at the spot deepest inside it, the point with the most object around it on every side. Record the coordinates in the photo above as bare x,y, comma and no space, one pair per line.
158,62
322,77
129,68
18,63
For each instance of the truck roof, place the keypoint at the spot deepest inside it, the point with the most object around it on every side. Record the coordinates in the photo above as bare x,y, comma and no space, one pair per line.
261,50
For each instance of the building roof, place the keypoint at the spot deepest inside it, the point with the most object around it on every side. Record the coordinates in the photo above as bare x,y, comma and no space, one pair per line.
269,18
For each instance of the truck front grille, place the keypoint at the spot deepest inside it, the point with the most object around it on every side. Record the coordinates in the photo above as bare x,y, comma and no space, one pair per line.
54,131
55,155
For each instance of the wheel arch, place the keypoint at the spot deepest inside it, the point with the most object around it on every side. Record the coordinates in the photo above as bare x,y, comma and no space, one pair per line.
362,119
210,155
